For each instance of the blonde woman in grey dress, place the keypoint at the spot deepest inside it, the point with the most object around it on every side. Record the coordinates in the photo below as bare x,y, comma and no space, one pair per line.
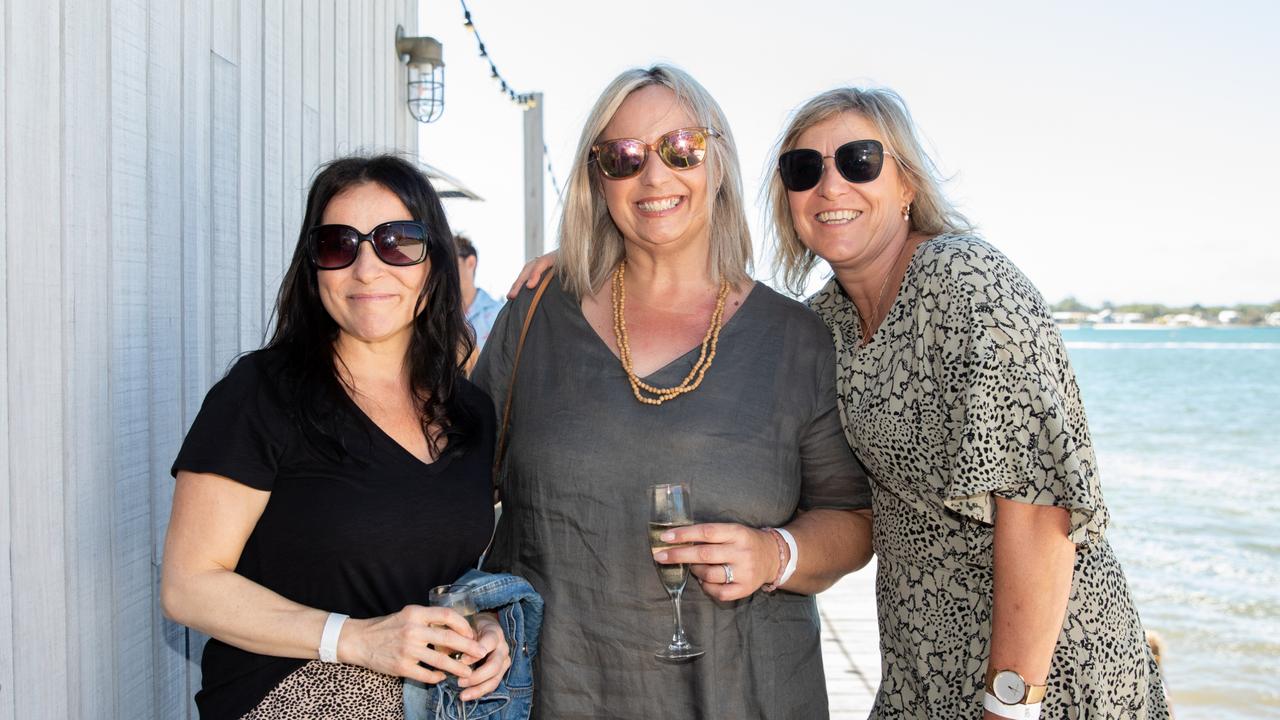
651,289
998,593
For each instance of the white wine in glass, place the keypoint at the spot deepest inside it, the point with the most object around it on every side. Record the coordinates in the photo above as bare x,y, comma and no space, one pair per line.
459,599
669,508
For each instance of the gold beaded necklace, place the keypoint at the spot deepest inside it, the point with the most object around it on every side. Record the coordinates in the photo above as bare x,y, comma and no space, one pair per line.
694,378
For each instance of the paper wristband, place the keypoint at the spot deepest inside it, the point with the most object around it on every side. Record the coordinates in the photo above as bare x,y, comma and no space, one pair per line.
329,639
795,554
992,704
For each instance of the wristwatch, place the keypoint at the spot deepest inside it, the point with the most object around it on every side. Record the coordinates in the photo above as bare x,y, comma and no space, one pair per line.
1011,689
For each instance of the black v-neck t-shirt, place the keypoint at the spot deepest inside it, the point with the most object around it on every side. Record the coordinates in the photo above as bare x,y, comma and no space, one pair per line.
362,533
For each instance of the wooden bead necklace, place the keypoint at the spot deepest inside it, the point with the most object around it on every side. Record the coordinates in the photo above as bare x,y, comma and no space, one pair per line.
694,378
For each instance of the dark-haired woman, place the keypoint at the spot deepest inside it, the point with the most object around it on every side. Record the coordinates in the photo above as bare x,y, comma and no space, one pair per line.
334,477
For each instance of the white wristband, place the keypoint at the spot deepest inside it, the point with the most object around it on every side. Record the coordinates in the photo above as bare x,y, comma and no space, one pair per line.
329,639
992,704
791,563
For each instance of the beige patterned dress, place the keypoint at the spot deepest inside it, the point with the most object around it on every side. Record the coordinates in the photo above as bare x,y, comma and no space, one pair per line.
963,394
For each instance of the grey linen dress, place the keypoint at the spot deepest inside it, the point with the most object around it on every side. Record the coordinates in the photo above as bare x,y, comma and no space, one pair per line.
759,439
965,394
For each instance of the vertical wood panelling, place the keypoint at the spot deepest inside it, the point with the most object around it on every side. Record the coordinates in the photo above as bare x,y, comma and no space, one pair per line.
275,228
406,126
325,51
225,222
341,40
225,31
168,147
164,298
310,144
310,93
250,175
355,73
86,301
130,376
368,78
6,534
398,76
33,280
292,187
197,321
377,132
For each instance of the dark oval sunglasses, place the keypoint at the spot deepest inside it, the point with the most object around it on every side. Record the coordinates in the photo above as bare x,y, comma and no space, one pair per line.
679,149
859,161
399,243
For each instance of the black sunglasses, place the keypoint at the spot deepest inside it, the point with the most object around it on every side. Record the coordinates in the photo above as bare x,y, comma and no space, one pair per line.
859,161
400,243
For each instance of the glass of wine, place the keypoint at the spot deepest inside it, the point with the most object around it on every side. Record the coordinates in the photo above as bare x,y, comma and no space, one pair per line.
459,599
669,508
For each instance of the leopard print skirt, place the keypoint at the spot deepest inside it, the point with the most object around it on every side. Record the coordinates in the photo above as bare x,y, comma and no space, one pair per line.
332,691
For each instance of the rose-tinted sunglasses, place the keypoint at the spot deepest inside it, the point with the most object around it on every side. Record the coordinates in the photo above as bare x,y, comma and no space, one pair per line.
859,161
400,242
679,149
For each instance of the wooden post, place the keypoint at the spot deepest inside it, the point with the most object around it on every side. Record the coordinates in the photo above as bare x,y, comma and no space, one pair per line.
533,162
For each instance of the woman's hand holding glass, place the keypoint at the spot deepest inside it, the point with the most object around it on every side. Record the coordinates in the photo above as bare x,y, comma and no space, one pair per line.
750,554
395,644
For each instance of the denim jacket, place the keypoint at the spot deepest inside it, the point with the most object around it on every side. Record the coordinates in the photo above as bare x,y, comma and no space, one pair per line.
519,609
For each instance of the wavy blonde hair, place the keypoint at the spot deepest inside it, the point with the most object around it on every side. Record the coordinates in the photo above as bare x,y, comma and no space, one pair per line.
590,243
931,211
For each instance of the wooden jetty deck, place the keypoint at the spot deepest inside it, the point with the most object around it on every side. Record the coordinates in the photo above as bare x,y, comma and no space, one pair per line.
850,644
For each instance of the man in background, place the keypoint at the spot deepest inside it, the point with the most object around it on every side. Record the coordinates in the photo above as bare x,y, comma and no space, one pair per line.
481,309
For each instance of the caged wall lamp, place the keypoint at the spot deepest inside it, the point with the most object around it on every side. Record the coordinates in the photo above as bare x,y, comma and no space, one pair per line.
424,57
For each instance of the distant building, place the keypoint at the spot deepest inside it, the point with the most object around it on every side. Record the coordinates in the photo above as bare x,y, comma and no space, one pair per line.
1273,319
1070,317
1226,317
1184,319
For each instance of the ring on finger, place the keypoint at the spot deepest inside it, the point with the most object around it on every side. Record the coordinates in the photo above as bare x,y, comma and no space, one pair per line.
728,573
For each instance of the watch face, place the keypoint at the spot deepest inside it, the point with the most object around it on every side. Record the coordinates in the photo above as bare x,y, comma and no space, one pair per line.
1009,687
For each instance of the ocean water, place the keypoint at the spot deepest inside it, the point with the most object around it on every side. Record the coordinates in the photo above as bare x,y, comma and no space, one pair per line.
1186,423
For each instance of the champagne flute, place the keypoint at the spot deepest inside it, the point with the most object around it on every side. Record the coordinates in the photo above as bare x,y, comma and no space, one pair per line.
669,508
459,599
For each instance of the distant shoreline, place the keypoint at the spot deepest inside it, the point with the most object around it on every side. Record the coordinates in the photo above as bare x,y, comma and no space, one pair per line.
1162,326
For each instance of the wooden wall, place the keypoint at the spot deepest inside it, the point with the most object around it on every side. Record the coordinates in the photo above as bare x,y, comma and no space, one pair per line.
154,157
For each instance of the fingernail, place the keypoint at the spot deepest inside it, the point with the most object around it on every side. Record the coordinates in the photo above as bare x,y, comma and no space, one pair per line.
660,557
668,536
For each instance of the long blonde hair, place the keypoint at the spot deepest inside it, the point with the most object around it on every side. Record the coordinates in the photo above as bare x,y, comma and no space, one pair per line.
590,243
931,211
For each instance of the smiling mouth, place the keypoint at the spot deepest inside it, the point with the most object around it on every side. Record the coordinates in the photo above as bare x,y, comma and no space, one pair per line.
838,217
662,205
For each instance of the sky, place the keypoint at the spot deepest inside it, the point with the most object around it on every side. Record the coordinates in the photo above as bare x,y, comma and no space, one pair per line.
1115,151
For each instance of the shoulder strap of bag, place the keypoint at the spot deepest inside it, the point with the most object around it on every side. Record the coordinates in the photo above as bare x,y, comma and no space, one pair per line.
501,450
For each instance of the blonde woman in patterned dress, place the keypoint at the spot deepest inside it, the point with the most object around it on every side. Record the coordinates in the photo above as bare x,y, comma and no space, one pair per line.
998,593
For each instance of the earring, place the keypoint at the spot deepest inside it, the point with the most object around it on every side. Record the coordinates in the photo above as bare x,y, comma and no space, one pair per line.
906,212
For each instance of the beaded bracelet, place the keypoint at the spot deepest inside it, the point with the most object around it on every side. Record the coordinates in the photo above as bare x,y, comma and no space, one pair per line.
784,552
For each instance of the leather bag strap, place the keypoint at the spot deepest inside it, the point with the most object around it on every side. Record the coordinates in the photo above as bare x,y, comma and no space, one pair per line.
511,384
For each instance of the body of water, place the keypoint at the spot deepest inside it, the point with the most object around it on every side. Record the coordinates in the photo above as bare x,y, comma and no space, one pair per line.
1185,424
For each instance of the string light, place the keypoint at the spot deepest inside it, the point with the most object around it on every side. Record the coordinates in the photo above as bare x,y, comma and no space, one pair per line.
554,184
524,101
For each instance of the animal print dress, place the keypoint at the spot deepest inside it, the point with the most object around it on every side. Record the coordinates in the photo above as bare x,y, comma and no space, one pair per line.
963,394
